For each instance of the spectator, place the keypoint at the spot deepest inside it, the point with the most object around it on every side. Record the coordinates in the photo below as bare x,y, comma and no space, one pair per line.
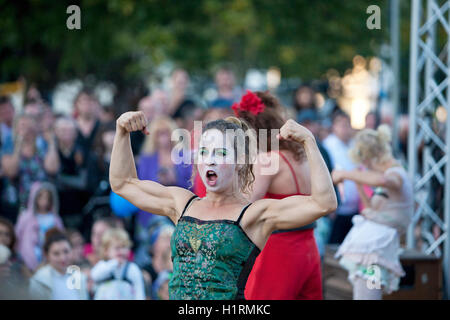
8,209
228,93
92,250
304,98
188,113
28,163
156,164
102,148
40,216
310,119
179,91
72,178
115,277
13,273
86,108
160,250
77,244
50,281
338,145
161,286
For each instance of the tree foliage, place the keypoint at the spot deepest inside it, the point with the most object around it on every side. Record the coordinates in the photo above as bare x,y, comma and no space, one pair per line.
124,40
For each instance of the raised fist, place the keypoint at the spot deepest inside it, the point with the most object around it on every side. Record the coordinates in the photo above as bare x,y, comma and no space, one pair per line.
291,130
132,121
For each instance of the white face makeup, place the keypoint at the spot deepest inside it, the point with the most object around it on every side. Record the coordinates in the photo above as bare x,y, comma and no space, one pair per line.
216,161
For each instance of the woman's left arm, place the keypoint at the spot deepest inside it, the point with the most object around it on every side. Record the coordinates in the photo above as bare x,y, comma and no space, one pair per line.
369,177
297,211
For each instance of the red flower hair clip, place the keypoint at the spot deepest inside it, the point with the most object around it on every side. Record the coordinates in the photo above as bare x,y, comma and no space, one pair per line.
249,102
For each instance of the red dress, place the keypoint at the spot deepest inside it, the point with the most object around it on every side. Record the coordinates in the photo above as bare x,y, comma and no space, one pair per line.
288,268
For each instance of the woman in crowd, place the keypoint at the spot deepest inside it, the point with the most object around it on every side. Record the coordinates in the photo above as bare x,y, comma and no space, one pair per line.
28,163
370,251
100,226
50,282
218,237
160,251
304,98
72,178
41,215
155,164
289,266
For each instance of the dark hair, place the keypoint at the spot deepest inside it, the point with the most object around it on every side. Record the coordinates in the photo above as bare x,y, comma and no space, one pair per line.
54,235
85,91
98,146
271,118
5,99
8,224
295,103
337,114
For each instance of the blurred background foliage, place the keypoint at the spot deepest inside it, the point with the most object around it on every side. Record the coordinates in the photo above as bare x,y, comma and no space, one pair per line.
125,40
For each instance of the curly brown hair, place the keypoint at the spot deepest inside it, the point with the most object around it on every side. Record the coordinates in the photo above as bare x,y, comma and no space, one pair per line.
271,118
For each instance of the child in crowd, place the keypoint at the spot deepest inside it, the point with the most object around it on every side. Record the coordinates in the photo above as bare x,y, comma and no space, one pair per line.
115,277
51,281
92,250
40,216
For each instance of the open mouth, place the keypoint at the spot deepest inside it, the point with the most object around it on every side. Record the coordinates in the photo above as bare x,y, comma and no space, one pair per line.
211,178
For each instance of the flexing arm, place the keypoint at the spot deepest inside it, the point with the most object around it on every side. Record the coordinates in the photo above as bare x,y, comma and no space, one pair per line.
297,211
147,195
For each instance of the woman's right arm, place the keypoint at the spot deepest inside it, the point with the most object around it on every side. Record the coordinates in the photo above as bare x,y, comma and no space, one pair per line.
147,195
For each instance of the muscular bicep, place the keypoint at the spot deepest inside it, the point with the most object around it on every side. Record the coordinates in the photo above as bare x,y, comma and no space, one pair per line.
153,197
292,212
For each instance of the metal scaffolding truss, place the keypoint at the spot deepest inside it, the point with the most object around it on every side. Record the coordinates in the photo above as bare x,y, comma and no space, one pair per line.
429,139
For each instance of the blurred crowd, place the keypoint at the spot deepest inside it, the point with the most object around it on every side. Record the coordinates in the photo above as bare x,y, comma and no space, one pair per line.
57,209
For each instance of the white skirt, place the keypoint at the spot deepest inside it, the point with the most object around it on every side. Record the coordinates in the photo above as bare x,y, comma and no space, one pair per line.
368,246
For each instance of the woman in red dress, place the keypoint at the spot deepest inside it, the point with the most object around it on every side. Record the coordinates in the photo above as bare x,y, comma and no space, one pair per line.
288,268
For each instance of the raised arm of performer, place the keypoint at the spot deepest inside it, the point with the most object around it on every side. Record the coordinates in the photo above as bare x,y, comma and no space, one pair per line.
297,211
147,195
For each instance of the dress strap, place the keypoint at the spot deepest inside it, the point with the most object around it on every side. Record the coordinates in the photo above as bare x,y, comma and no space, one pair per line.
187,204
242,213
292,170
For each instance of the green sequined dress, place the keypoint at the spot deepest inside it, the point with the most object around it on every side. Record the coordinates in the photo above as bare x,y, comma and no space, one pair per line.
211,259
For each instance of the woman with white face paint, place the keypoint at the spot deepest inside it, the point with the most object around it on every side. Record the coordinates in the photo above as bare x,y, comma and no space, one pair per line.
218,237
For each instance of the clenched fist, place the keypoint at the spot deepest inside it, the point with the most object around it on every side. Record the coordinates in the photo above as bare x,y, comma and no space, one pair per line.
291,130
132,121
